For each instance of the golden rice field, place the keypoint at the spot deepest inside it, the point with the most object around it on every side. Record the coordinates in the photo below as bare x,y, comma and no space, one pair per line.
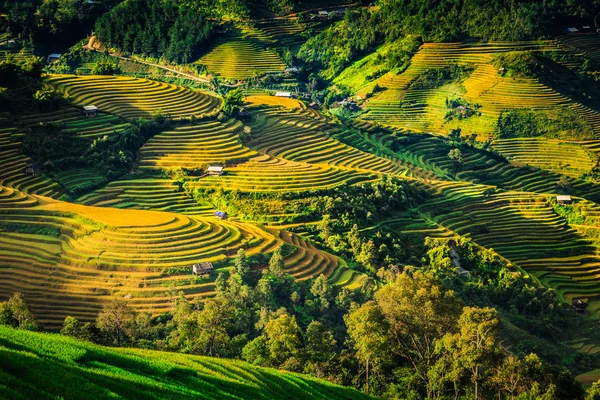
239,58
79,256
132,98
398,105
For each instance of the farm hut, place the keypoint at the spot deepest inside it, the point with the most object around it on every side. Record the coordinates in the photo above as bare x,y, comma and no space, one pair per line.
579,306
90,111
287,95
54,57
244,114
202,268
32,170
323,14
563,199
215,170
221,214
572,30
314,105
586,28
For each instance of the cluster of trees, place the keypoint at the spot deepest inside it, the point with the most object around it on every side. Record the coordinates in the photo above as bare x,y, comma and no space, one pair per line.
156,29
111,156
427,333
51,25
431,20
434,78
558,123
21,86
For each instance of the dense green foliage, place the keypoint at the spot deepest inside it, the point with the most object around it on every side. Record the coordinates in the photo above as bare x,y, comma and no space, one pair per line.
432,20
44,366
110,156
559,123
155,29
51,25
21,86
434,78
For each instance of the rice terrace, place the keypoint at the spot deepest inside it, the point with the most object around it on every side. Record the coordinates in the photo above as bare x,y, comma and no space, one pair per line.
293,199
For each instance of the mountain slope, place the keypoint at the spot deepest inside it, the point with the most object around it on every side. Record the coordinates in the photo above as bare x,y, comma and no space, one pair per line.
45,366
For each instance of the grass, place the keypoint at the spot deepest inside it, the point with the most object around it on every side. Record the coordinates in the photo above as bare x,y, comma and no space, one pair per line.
46,366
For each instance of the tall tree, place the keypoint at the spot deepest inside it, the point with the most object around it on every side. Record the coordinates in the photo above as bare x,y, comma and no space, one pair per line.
116,320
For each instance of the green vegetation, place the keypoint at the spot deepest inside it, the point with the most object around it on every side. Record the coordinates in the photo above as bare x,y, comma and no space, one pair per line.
47,366
391,225
560,124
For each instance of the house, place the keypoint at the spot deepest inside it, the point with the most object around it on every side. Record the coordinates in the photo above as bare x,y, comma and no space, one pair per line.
221,214
215,169
202,268
244,114
323,14
32,170
586,28
291,70
314,105
579,306
563,199
572,30
54,57
283,94
90,111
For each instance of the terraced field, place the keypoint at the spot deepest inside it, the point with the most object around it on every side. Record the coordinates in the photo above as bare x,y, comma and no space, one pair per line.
400,106
13,164
269,174
235,57
146,194
564,157
74,121
305,137
195,146
524,229
132,98
80,256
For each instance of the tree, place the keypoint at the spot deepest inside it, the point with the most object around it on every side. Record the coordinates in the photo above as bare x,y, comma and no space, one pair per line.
73,328
241,263
368,329
284,341
419,313
368,255
320,348
104,67
232,102
455,155
355,240
322,291
473,349
213,321
16,313
116,320
276,265
593,392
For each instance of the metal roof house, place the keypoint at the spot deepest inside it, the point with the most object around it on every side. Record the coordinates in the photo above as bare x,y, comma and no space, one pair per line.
283,94
215,170
90,111
54,57
202,268
221,214
563,199
32,170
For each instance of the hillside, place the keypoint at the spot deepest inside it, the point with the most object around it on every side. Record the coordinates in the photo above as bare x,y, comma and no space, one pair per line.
277,182
44,366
